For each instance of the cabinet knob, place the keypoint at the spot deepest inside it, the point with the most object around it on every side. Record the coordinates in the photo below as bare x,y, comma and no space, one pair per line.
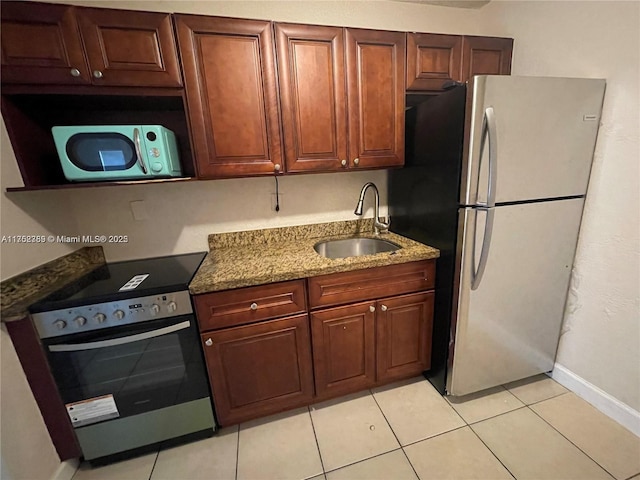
343,163
254,306
356,161
208,342
383,308
97,74
75,72
372,308
276,167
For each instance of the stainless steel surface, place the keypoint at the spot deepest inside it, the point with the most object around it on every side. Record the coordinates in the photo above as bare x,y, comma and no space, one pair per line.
354,247
378,225
61,322
97,74
477,273
489,131
508,328
76,347
75,72
136,142
546,134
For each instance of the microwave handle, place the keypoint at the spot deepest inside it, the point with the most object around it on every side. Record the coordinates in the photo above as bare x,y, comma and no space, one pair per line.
119,341
136,142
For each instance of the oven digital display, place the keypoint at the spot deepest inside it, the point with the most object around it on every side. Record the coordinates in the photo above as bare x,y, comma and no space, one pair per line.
135,305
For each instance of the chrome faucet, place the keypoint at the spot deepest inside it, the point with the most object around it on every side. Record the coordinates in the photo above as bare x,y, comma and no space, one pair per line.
378,226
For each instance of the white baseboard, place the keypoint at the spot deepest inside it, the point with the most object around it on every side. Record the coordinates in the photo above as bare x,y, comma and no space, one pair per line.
66,470
610,406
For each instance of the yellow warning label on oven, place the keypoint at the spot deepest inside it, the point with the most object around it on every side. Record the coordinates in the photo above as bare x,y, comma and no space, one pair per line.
92,410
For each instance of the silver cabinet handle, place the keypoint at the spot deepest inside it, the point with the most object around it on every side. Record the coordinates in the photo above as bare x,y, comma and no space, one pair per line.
136,142
372,308
383,308
254,306
356,161
75,72
343,163
476,274
97,74
276,167
208,342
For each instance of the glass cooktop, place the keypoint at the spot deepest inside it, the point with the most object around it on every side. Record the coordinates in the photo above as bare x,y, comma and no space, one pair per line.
122,280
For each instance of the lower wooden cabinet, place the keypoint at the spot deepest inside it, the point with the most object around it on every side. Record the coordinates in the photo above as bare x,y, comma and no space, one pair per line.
344,348
403,335
259,369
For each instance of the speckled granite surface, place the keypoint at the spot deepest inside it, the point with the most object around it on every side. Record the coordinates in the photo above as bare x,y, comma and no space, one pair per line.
18,293
242,259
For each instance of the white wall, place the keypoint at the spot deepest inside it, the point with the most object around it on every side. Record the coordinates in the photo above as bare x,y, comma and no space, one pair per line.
601,333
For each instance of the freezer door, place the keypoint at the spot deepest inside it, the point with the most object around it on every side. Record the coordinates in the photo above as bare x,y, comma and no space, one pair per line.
540,131
507,328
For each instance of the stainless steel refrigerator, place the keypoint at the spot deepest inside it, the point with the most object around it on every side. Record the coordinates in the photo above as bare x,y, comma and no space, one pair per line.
495,176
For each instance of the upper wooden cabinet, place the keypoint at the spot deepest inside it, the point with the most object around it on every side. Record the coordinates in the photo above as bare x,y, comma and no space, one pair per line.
433,60
41,44
63,45
230,81
342,94
486,56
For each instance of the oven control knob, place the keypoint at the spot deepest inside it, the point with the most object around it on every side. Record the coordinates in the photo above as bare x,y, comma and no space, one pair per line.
99,317
154,309
172,307
119,314
80,321
60,324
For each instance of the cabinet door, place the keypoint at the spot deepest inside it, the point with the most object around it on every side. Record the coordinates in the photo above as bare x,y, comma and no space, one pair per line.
230,81
375,93
433,60
129,48
486,56
259,369
344,349
404,326
312,93
41,44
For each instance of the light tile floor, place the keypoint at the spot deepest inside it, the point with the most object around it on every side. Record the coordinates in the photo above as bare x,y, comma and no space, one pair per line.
533,429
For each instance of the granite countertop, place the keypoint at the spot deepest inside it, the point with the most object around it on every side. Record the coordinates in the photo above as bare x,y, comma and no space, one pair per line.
256,257
20,292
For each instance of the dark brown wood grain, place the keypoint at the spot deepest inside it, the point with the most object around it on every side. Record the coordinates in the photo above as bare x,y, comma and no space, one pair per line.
259,369
36,368
343,349
370,284
233,307
313,97
486,56
432,60
130,47
375,63
230,80
403,335
41,44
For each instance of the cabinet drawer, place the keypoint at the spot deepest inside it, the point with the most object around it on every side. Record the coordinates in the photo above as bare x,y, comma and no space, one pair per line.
340,288
248,305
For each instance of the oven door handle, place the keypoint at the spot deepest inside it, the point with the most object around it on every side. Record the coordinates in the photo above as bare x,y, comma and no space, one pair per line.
119,341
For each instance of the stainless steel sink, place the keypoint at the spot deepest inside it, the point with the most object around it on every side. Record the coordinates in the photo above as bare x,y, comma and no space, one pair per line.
354,247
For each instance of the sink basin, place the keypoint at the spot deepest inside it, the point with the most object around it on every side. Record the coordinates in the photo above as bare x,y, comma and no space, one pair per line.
354,247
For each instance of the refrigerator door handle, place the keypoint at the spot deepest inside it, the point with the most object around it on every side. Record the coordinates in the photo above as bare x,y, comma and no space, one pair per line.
477,273
489,131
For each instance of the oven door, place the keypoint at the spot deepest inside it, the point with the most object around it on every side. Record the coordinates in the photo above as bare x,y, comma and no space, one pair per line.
130,370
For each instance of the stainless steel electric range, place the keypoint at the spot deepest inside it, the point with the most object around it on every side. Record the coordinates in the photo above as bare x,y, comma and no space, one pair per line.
124,350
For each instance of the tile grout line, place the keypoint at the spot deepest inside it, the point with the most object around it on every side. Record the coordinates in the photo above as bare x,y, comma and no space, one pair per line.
497,415
237,451
434,436
362,460
394,433
315,436
154,464
555,396
489,448
568,440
